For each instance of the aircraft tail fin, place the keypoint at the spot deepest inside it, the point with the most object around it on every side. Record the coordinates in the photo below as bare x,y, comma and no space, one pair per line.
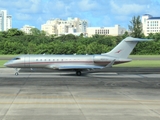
125,47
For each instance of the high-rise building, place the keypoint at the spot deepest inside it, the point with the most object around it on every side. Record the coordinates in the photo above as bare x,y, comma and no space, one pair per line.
150,24
5,20
69,26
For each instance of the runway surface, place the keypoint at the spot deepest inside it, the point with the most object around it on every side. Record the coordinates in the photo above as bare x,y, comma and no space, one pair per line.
93,96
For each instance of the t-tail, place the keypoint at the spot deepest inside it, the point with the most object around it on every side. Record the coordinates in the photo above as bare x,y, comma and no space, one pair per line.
125,47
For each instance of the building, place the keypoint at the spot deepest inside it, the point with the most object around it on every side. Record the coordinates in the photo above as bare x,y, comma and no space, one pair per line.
114,31
70,26
50,27
150,24
27,29
5,20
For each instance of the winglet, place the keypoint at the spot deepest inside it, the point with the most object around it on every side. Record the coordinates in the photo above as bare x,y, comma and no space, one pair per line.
111,63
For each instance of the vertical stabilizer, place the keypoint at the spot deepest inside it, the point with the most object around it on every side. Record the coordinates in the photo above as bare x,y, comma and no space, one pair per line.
125,47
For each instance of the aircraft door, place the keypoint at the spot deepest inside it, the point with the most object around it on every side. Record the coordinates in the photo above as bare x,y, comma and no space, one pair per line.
27,61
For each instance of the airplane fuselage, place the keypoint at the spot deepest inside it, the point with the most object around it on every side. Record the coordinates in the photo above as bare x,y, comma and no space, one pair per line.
53,61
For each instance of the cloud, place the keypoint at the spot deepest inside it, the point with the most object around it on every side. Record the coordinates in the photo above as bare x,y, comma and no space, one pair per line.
30,6
86,5
21,9
56,8
127,9
97,12
107,21
23,16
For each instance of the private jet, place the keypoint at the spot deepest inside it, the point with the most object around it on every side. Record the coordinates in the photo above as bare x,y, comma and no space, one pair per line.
78,63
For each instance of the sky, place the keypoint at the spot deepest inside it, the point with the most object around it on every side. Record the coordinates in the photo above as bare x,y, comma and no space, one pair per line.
98,13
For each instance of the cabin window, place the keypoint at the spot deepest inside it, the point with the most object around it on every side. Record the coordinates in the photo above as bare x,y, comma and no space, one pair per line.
49,59
36,59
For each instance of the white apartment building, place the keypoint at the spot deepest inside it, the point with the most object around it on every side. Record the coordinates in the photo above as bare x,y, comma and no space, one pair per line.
69,26
114,31
5,21
150,24
27,29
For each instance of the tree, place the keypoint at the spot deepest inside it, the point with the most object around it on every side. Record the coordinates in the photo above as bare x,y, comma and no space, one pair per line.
3,34
126,34
136,27
43,33
14,32
35,31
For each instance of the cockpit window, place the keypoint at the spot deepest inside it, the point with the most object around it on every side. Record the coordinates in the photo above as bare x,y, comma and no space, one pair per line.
16,59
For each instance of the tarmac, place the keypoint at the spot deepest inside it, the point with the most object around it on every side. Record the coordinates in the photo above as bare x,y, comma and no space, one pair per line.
112,95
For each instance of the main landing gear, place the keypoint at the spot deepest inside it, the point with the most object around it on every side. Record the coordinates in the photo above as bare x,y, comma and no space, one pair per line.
78,73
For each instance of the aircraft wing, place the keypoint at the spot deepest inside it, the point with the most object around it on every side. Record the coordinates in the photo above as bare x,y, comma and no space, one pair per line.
63,67
80,67
71,66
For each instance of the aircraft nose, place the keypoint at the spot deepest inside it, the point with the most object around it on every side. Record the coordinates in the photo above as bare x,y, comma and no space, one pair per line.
7,64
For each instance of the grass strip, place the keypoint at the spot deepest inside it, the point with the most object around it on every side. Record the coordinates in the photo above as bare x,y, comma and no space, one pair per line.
2,63
140,63
8,56
144,56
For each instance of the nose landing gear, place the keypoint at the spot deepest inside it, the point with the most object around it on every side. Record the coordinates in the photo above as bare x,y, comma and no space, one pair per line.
17,72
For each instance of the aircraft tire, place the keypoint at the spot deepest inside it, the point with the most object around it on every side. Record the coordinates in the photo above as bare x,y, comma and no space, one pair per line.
78,73
16,74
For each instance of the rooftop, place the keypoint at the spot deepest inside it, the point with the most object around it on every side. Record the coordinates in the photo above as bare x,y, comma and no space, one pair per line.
146,15
154,18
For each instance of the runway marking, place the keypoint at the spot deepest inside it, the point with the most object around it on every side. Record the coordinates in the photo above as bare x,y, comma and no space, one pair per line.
141,75
113,102
72,75
30,97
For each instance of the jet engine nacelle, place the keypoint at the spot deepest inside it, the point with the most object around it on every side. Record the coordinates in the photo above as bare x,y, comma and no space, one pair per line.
100,58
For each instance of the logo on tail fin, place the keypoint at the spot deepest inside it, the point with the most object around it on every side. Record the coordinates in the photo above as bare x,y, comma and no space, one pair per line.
118,51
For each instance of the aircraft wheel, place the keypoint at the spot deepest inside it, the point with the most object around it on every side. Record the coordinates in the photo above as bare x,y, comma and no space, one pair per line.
78,73
16,73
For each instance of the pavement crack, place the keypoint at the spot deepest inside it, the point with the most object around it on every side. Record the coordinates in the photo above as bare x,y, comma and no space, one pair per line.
11,104
76,102
155,112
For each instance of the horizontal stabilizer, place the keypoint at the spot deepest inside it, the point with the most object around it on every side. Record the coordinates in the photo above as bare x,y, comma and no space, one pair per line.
131,39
